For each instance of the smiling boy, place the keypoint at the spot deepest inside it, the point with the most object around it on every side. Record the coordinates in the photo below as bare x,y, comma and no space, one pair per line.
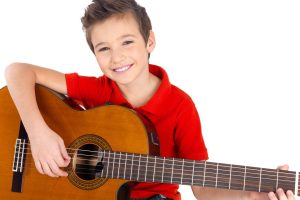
120,35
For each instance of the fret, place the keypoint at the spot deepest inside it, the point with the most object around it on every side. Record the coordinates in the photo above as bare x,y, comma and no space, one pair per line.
182,167
163,170
138,170
154,169
173,160
128,166
268,180
260,172
252,180
125,165
143,162
132,166
217,176
193,173
187,172
135,167
117,165
198,174
150,169
177,171
113,164
244,178
157,175
204,173
146,167
106,162
223,176
168,170
237,177
230,177
210,174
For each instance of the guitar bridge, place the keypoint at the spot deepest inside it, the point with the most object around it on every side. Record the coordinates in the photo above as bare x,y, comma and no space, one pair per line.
19,160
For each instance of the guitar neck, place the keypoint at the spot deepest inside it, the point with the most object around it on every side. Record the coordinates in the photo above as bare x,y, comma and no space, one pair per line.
146,168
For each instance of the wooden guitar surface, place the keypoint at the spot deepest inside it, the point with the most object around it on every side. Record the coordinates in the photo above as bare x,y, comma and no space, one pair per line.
118,128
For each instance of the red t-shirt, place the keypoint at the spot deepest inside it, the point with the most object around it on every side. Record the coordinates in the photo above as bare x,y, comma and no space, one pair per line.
171,110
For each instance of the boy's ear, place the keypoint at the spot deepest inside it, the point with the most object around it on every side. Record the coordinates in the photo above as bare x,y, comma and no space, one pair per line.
151,42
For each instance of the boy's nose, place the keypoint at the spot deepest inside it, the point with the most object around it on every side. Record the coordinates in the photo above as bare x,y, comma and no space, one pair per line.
117,56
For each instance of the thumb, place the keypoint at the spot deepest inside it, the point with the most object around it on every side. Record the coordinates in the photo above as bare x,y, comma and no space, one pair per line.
283,167
64,152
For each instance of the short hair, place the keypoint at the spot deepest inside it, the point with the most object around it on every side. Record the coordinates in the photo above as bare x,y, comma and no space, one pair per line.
100,10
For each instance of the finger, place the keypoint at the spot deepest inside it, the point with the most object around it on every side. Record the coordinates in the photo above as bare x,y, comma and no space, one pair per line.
283,167
281,195
56,170
64,152
290,195
272,196
38,166
47,169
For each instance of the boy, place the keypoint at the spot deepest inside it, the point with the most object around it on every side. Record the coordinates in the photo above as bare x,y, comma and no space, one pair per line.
119,34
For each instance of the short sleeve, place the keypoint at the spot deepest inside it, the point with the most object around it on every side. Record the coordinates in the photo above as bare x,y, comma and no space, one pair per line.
87,89
188,137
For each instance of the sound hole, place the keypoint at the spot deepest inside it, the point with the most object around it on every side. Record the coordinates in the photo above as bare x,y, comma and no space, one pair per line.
87,162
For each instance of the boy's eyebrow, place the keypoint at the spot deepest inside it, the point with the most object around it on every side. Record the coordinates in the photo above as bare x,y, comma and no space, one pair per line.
121,37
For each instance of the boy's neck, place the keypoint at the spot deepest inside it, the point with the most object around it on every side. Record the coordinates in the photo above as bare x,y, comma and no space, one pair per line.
139,94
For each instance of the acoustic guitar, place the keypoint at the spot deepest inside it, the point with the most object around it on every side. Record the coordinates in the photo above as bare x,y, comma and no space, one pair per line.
109,146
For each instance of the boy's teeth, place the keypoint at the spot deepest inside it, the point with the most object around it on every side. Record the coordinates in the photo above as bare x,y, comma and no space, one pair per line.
121,69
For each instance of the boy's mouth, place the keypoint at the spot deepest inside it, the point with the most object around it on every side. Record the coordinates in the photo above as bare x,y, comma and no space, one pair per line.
123,68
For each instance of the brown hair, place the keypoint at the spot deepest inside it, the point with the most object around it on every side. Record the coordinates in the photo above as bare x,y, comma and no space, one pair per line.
100,10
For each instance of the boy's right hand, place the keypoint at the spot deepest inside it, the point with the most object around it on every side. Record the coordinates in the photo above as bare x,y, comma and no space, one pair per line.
49,153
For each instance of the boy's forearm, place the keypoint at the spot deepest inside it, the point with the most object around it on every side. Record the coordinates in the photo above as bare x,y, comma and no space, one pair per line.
221,194
21,82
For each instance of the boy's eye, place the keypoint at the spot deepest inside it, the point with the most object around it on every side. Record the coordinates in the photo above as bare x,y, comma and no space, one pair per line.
127,42
104,49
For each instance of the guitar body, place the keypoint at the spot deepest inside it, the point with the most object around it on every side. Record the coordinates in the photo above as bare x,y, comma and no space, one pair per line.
107,128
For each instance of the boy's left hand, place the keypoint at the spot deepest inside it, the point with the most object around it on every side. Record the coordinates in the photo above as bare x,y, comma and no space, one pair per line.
281,195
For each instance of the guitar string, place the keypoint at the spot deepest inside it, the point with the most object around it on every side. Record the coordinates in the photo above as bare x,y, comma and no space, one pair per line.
242,168
222,183
179,174
201,171
186,161
171,160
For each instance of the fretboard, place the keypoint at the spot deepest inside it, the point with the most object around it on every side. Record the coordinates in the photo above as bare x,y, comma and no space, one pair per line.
145,168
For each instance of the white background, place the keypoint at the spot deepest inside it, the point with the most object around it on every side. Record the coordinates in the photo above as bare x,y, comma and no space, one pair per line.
238,60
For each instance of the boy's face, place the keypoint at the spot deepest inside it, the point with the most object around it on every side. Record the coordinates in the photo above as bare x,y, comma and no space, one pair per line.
120,49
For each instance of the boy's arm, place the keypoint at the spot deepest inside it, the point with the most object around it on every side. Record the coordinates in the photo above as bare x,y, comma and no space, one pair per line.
48,149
